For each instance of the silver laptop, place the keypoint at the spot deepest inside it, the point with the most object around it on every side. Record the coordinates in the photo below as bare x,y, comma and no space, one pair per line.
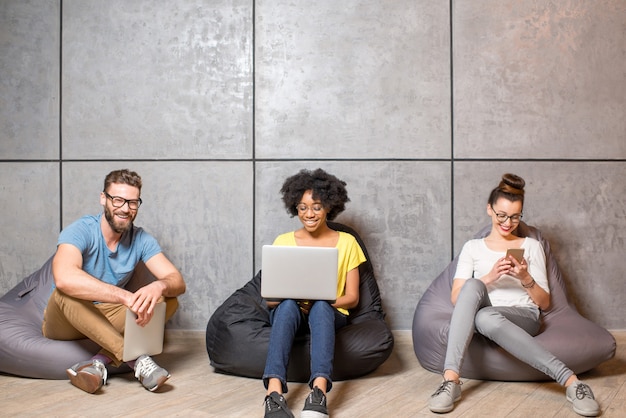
144,340
295,272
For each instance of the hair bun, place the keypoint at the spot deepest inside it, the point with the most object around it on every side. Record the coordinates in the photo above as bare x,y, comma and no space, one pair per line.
512,184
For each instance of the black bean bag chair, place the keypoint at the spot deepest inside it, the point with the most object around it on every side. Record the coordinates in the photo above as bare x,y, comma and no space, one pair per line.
24,351
576,341
238,332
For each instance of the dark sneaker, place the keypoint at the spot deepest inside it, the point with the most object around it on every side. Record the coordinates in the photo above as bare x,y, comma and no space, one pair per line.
276,406
315,405
88,375
150,374
582,399
445,396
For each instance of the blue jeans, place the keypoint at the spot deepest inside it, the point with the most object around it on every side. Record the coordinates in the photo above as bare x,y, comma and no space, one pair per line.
511,327
286,320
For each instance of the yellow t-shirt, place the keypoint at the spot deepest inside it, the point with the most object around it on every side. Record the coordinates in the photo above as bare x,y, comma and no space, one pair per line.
350,257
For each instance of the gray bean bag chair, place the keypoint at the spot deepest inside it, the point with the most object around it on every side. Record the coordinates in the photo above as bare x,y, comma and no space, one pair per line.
24,351
238,333
576,341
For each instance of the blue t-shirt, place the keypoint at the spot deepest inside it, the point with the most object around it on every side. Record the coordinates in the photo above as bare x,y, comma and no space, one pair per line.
113,267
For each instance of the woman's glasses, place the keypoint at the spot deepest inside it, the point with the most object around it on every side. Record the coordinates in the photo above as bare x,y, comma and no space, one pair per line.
503,217
302,208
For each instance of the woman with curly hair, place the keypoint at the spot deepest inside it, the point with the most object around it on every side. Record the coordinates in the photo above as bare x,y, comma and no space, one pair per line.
502,297
315,197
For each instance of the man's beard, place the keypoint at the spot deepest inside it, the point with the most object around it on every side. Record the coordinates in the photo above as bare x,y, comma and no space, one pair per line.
116,227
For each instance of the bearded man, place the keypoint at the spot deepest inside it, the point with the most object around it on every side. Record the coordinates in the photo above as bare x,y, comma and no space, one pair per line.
93,263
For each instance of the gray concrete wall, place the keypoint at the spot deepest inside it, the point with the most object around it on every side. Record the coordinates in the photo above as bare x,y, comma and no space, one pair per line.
419,105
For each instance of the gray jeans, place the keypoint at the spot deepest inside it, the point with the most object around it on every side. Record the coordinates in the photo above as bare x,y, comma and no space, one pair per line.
512,328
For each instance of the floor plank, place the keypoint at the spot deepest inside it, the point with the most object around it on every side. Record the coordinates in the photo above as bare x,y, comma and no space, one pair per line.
399,388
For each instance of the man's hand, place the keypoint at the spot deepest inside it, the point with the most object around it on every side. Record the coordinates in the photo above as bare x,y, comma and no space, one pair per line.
143,301
168,283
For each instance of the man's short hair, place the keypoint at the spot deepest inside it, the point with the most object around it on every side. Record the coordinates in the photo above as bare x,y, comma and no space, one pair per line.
123,176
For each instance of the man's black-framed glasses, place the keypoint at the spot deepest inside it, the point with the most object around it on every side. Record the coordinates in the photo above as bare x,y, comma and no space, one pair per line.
503,217
118,202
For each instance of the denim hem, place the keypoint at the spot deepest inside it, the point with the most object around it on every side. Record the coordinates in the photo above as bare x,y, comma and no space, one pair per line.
266,378
329,382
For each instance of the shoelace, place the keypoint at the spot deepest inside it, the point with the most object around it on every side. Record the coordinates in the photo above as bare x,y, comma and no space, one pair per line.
103,370
145,367
446,386
274,403
583,391
270,403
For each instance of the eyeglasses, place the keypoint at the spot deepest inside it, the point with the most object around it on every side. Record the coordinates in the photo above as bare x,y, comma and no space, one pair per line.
118,202
316,208
503,217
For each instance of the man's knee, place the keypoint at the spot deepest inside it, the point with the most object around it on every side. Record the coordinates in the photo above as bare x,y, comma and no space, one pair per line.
55,324
171,306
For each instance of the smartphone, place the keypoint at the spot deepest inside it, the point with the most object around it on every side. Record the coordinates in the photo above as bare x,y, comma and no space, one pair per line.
517,253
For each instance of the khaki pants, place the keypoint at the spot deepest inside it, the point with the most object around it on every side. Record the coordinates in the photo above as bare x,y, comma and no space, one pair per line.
68,318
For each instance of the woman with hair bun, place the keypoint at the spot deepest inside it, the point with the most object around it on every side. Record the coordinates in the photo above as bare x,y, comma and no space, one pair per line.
501,298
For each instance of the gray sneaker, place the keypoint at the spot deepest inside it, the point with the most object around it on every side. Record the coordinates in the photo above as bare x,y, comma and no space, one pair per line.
88,375
445,396
582,399
150,374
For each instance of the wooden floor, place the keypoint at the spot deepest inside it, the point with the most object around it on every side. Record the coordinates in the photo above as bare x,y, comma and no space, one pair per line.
399,388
